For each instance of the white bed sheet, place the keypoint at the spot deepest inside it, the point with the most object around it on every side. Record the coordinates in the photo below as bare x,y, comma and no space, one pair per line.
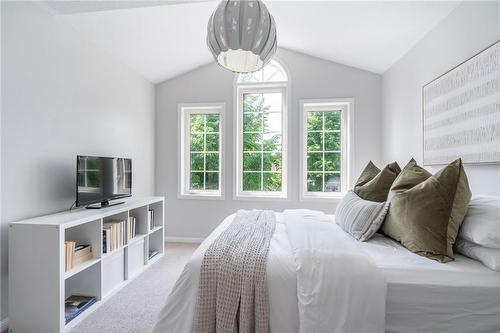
422,295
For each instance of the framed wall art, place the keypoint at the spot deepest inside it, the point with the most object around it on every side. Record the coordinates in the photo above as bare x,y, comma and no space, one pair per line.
461,112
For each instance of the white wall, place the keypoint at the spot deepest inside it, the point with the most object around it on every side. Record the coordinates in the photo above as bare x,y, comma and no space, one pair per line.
310,78
471,27
63,97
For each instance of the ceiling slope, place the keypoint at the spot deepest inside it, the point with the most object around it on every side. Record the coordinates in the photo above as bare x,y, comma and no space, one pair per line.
165,39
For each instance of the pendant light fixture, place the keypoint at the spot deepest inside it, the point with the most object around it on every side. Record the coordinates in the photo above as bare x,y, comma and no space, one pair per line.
242,35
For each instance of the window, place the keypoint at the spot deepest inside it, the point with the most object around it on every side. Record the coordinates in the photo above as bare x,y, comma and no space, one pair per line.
325,147
261,133
201,150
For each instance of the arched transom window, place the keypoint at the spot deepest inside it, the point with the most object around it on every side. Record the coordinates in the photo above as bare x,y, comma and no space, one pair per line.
272,72
261,146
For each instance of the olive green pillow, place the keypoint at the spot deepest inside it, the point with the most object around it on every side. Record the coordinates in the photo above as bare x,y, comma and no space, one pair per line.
427,210
411,175
374,184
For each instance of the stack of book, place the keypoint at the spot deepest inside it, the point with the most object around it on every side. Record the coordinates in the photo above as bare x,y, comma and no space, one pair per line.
116,234
75,305
76,254
112,235
81,254
151,219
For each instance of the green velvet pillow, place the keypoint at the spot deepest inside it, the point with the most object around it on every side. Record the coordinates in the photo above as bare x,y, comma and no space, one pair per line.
411,175
374,184
427,210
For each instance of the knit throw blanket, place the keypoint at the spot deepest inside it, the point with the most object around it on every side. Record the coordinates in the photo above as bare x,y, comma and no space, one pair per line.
232,294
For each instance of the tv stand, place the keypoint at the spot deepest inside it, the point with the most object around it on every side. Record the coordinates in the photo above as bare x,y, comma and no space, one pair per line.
104,204
38,281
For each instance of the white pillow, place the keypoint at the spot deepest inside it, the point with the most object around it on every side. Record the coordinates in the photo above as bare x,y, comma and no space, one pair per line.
482,222
360,218
489,257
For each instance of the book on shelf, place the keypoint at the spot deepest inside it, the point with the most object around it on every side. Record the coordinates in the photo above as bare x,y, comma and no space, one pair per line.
117,233
81,250
82,254
69,247
76,254
130,228
75,305
106,240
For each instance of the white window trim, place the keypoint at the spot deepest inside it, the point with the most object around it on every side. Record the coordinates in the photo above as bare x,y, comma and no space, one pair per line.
347,138
184,110
282,87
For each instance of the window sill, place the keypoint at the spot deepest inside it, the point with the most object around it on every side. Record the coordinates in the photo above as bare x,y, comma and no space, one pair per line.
335,198
201,196
260,196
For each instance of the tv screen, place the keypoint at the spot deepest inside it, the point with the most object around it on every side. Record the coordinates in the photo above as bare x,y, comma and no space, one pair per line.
100,179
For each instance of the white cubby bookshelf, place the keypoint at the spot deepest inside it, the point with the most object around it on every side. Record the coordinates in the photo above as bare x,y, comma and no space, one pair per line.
38,282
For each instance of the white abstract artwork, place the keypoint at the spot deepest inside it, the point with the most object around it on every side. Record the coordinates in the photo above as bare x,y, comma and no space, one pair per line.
461,112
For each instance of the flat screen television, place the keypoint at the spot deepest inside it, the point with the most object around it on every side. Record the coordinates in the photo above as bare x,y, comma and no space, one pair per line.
101,179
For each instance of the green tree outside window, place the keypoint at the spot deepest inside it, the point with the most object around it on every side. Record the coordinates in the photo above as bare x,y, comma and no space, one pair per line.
324,155
204,151
262,151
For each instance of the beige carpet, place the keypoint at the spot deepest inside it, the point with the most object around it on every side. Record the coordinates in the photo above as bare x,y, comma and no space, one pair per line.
135,307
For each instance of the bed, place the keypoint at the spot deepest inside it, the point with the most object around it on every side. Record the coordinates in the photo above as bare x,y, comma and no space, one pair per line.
422,295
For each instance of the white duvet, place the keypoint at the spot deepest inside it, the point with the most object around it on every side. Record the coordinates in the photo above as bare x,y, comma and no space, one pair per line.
339,288
314,270
423,296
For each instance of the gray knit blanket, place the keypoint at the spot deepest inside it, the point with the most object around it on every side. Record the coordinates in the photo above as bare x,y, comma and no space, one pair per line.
232,293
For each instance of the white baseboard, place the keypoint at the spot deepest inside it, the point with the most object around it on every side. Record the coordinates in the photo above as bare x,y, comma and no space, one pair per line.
4,324
184,239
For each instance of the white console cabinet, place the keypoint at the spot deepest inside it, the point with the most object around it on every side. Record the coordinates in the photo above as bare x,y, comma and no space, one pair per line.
38,282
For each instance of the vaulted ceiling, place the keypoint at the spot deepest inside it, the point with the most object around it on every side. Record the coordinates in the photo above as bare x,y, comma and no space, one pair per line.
162,39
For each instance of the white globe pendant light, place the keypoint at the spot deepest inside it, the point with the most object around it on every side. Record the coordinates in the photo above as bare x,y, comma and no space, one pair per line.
242,35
